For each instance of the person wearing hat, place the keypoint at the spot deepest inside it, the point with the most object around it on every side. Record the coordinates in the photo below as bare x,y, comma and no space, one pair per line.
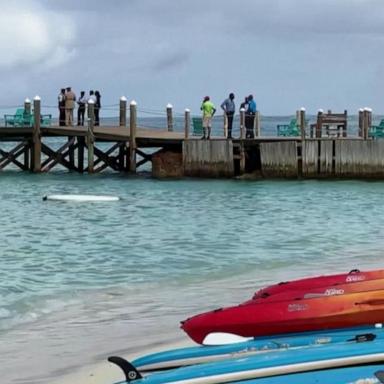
208,111
228,106
70,99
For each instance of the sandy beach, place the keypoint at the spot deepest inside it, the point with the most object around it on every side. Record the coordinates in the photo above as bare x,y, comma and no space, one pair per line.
107,373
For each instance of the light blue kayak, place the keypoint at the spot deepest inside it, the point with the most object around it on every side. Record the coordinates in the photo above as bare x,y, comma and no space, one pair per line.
277,363
203,354
365,374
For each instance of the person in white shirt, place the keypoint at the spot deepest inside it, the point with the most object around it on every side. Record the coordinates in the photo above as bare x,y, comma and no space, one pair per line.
82,102
91,97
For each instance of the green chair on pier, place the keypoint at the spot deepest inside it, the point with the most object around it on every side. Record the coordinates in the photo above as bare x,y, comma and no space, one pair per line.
291,129
20,119
376,131
197,126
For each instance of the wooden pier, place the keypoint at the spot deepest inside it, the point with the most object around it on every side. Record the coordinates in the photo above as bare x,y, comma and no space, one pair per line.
124,148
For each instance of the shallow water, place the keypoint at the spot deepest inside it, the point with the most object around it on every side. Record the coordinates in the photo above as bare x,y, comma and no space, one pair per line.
81,281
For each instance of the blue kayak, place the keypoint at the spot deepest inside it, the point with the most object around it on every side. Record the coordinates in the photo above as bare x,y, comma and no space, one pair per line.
365,374
203,354
280,362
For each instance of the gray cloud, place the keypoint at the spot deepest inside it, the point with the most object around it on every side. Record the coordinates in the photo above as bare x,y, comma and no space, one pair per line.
289,53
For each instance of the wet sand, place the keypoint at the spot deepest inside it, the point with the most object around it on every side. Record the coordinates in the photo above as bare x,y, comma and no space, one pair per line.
107,373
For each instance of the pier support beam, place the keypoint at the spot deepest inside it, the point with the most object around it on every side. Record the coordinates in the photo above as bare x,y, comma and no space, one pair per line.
360,133
257,124
123,111
242,123
80,153
169,117
302,122
319,123
90,136
367,121
187,123
27,106
132,135
36,135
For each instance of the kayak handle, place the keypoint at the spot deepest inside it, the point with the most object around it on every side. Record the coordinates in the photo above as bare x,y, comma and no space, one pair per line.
354,271
363,337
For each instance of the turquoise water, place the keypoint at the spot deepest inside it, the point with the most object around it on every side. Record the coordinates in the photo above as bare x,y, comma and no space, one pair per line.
81,281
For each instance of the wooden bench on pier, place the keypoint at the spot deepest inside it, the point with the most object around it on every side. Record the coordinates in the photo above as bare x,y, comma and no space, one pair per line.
335,125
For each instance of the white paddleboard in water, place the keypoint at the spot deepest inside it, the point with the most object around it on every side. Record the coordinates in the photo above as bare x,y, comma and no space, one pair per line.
80,198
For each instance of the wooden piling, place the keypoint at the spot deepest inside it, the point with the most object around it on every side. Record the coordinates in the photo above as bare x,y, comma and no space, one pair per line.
302,123
90,136
242,123
27,106
257,124
169,117
132,135
360,133
123,112
369,117
36,136
187,123
365,123
80,153
319,124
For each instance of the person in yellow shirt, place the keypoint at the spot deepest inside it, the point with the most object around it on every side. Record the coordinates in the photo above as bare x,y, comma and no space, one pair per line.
208,111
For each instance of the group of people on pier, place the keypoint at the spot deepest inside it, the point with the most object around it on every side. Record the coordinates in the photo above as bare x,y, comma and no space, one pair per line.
67,103
228,106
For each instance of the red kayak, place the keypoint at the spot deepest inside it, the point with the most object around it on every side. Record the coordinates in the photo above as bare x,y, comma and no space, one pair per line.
317,282
325,291
270,318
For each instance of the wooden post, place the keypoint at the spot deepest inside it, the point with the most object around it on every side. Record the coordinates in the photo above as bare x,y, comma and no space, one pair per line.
367,119
80,153
27,153
319,124
27,106
242,123
257,124
360,133
90,136
123,111
132,135
346,124
302,123
36,135
187,123
169,117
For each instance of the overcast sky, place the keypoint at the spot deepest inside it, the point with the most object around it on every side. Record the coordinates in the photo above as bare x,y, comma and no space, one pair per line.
289,53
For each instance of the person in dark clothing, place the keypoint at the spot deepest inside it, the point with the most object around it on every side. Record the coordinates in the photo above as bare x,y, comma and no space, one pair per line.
61,106
228,106
82,102
250,113
97,107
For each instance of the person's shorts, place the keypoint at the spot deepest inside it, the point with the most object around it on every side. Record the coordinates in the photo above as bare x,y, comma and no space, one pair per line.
207,121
